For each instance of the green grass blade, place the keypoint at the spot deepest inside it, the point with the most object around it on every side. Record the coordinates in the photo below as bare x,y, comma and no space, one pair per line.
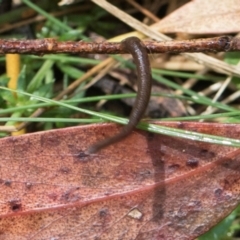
149,127
36,82
47,15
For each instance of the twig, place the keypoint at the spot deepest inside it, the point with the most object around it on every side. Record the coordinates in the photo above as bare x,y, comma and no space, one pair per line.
49,45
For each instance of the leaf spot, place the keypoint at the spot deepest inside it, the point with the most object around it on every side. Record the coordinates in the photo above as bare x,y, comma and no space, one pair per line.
103,213
15,205
193,163
8,183
28,185
173,167
218,192
65,170
204,153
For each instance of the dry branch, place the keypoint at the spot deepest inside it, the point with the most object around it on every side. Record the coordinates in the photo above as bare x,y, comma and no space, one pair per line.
46,46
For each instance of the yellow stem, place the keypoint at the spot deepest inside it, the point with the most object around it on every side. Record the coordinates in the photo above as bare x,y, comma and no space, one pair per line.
13,70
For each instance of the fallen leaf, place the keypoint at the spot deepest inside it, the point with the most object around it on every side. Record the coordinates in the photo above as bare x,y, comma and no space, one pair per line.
148,186
203,17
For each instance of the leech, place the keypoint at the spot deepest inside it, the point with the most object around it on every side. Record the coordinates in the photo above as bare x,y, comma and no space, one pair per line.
139,53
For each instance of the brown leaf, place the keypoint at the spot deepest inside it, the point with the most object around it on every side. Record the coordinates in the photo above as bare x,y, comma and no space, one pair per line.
203,17
148,186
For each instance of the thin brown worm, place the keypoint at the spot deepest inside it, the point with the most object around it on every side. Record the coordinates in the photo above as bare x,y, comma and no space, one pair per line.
139,53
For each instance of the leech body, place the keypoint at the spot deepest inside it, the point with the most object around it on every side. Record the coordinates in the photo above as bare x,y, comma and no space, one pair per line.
140,56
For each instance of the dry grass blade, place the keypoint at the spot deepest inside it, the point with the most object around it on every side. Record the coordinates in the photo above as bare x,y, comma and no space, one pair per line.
208,61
